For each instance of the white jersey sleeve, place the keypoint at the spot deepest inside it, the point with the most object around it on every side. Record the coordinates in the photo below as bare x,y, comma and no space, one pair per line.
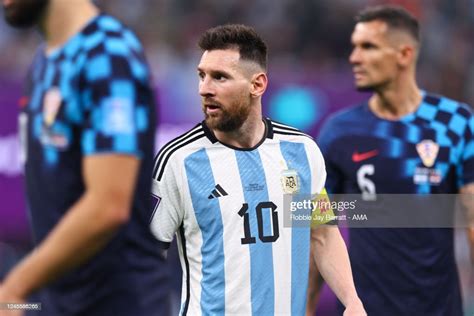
318,167
169,212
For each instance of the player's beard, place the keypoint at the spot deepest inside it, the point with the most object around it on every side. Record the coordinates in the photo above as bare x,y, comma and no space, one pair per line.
24,13
230,119
366,88
374,86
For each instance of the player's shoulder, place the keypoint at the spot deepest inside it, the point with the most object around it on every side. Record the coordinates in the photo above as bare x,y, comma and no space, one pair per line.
174,152
344,123
444,104
352,113
286,132
107,35
110,50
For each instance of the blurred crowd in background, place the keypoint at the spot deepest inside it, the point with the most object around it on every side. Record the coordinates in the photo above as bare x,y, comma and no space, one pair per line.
305,37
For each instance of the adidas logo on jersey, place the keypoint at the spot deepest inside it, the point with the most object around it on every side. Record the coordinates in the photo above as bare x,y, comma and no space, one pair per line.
217,192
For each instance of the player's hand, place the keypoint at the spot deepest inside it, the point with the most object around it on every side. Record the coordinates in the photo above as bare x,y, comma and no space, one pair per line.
5,298
355,309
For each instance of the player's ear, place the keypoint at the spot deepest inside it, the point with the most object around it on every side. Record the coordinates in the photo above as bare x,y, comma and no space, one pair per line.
406,55
258,84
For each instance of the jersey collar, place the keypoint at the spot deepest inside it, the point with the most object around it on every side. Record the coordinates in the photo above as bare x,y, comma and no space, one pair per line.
213,139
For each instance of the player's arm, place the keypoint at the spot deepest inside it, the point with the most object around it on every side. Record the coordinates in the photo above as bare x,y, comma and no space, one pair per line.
467,199
84,230
332,259
333,183
315,283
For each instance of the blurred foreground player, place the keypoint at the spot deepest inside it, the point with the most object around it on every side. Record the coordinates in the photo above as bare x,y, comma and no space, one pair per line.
405,141
221,188
87,126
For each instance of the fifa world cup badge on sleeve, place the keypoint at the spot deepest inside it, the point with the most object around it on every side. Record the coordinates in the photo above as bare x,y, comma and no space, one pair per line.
290,181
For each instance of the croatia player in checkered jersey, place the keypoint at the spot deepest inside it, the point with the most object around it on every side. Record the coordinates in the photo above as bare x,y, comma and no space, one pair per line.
402,141
220,188
87,125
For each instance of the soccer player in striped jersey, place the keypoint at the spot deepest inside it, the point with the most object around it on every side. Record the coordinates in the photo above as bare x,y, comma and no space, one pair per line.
87,124
220,188
403,141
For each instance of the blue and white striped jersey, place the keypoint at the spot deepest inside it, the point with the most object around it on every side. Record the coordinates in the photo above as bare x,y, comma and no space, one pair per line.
226,206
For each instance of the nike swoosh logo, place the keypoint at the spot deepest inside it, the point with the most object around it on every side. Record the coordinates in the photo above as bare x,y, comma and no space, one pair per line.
358,157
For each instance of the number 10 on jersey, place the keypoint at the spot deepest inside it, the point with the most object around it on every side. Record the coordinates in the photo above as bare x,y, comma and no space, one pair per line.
244,213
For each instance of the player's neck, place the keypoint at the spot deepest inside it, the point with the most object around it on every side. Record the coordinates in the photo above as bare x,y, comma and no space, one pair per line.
64,19
395,102
248,135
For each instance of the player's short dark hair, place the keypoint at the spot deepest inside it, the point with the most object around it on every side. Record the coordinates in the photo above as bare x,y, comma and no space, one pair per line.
396,17
249,44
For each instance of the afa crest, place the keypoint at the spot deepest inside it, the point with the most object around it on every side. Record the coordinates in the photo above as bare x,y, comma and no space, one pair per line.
290,181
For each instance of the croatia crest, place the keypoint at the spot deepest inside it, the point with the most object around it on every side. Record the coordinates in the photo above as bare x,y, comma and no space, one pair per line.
428,151
51,105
